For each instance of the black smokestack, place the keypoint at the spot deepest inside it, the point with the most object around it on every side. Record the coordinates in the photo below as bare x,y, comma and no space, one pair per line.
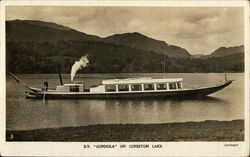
60,76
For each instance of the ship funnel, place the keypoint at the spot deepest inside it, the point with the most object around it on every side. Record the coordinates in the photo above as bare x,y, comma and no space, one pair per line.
60,76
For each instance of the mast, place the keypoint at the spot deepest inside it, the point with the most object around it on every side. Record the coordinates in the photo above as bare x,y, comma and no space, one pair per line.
226,77
164,64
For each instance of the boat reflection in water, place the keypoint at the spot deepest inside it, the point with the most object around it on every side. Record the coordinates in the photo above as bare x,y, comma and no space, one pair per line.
90,112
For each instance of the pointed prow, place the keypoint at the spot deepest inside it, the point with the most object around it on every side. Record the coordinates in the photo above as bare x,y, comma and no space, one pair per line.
17,79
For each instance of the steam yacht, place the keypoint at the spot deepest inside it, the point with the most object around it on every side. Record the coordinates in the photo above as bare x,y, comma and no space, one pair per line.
125,88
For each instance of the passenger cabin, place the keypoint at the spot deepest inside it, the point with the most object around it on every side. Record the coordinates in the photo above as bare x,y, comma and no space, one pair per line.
126,85
138,85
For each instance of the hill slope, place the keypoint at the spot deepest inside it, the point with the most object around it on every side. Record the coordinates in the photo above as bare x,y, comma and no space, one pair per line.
37,31
139,41
225,51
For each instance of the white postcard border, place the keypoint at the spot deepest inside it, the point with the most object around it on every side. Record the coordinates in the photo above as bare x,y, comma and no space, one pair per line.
169,148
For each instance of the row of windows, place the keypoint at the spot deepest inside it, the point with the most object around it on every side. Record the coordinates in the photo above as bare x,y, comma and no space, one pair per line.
138,87
74,88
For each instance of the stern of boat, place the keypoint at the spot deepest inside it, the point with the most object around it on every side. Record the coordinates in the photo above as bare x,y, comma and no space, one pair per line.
33,93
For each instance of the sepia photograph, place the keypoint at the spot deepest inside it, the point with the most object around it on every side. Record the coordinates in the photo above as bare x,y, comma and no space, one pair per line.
114,73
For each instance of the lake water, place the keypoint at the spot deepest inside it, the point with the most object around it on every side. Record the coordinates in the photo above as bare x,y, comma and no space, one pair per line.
24,114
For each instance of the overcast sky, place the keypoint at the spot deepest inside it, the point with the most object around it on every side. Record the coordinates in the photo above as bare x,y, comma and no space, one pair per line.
200,30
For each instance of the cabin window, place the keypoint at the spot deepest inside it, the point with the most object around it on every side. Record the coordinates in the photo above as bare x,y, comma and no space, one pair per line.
136,87
148,86
123,88
179,85
110,88
74,88
161,86
172,86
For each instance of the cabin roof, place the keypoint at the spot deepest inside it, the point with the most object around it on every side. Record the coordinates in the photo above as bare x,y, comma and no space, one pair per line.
141,80
72,84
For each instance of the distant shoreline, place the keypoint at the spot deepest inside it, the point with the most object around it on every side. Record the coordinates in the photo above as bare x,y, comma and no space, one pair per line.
127,73
210,130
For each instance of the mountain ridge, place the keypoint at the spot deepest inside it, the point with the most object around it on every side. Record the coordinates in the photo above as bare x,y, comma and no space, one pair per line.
224,51
140,41
40,31
35,48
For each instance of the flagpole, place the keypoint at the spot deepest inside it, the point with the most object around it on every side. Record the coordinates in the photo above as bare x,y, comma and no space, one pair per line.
164,67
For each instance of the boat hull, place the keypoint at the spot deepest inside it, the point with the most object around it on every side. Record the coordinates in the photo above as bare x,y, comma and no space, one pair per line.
185,93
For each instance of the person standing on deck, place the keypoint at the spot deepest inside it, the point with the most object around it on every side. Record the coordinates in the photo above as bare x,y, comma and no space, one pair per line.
46,85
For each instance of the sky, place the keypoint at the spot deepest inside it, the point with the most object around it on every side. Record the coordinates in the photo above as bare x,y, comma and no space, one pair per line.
199,30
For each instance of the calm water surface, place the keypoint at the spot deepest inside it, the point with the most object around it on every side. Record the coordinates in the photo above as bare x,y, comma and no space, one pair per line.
24,114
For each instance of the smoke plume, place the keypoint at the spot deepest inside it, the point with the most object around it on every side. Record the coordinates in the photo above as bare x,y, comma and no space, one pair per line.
82,63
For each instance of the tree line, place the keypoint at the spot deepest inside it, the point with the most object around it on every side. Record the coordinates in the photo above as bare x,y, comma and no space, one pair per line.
44,57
